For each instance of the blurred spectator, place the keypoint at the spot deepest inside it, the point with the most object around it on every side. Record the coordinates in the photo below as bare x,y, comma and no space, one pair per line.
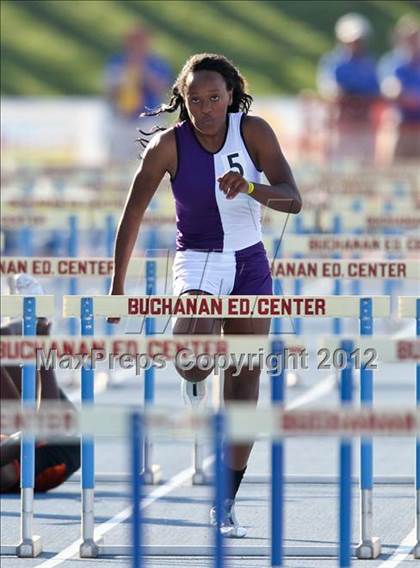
135,80
401,38
401,84
347,80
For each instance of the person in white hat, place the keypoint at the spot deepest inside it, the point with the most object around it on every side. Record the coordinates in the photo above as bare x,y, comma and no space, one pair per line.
348,82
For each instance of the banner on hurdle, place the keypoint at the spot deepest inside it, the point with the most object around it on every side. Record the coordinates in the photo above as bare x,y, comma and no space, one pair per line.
353,244
86,350
88,218
226,306
78,352
54,267
407,306
12,306
384,348
353,220
280,268
244,422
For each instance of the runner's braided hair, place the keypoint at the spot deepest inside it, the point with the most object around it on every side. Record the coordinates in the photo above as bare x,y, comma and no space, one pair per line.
235,82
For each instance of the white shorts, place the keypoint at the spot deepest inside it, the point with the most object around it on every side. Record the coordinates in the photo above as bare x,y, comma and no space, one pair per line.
211,272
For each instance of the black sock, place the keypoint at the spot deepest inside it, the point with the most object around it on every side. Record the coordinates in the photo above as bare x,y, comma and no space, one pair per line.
234,481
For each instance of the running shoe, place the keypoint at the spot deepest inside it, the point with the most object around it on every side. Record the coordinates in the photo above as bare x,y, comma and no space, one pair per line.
194,394
230,527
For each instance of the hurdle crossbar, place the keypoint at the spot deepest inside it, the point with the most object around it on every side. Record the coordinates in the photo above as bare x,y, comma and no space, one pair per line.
226,306
68,267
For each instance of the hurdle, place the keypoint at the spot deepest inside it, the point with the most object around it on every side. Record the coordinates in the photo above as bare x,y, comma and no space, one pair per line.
238,423
388,350
409,307
239,306
27,308
318,245
274,424
152,269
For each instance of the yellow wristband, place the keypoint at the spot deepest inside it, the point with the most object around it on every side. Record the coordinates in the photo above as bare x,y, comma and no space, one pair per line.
251,187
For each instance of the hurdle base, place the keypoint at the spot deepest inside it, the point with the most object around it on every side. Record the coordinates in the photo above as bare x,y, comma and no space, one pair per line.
29,547
200,478
416,551
368,550
89,549
235,550
152,476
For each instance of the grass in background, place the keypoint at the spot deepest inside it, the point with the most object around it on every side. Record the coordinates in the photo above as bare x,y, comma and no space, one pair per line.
59,47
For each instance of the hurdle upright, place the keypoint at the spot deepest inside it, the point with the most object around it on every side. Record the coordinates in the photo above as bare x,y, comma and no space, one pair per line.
28,308
409,307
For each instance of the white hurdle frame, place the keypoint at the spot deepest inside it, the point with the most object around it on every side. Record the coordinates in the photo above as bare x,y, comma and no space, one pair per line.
28,308
334,306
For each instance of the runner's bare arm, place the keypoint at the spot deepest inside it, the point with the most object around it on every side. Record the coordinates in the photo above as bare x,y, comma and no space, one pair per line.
158,159
282,194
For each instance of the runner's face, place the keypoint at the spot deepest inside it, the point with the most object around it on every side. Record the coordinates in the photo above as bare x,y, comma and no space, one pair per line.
207,100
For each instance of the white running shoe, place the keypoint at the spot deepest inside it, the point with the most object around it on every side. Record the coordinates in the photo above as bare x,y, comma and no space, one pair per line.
24,285
230,527
194,394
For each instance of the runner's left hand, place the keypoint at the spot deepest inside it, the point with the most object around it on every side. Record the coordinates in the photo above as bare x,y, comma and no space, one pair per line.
232,183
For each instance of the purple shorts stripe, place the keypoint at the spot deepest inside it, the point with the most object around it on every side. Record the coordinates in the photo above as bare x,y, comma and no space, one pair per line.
253,274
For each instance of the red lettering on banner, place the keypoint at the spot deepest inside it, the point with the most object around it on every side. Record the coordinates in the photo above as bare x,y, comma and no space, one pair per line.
295,269
9,267
42,267
330,422
413,244
133,306
408,350
235,306
169,348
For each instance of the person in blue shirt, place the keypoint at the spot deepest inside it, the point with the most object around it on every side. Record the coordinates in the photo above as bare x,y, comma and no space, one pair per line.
347,80
136,80
401,38
402,87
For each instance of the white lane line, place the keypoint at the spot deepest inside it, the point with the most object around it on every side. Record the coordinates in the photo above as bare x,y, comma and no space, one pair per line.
175,482
319,390
404,549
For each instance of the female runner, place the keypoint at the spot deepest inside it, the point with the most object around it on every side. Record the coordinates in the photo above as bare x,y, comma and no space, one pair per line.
215,156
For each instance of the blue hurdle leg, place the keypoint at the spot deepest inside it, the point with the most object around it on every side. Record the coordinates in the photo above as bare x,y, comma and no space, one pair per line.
369,546
73,251
136,485
109,242
219,489
277,469
151,471
30,545
345,520
88,548
417,546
